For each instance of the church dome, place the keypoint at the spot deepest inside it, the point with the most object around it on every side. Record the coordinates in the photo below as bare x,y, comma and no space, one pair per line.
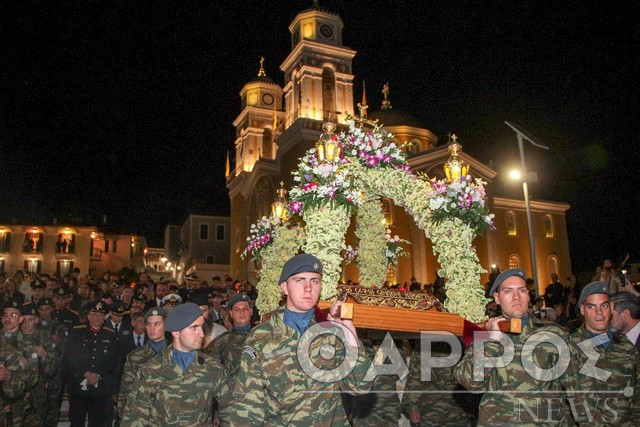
393,117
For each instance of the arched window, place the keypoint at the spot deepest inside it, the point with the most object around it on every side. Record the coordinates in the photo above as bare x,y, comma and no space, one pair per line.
514,261
328,94
261,198
548,225
552,264
510,222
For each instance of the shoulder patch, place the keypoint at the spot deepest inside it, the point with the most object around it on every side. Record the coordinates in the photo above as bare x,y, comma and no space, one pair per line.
247,349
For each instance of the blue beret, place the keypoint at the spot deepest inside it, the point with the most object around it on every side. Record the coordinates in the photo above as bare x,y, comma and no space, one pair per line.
182,316
236,299
591,289
303,263
504,276
155,311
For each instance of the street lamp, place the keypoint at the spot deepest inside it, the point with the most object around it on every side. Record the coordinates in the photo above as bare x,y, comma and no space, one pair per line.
522,134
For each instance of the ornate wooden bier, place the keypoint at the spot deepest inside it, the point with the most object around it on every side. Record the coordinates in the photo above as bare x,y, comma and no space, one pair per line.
393,310
403,311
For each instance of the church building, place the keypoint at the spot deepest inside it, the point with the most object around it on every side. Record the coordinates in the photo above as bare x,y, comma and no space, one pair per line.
276,125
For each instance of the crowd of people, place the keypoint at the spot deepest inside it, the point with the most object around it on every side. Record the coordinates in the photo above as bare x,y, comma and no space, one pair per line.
147,353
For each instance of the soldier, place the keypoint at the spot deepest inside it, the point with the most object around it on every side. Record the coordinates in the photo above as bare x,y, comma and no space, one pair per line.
154,327
48,361
178,386
284,377
625,316
91,358
11,320
59,335
119,320
14,377
227,348
37,291
608,384
506,401
60,311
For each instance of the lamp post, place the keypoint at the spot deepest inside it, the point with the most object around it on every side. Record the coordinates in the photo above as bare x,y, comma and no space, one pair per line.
522,134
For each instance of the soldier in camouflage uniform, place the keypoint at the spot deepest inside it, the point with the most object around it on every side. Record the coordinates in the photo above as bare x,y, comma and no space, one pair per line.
48,361
177,387
438,401
11,319
154,328
276,387
227,348
14,378
613,398
59,335
513,395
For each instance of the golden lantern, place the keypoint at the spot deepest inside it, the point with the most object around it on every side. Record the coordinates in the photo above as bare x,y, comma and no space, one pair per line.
455,167
328,147
279,208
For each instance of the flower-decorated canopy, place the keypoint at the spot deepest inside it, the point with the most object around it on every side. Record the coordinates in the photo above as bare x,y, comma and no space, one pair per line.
364,167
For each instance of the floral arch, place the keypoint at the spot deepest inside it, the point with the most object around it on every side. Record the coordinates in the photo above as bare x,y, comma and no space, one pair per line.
348,174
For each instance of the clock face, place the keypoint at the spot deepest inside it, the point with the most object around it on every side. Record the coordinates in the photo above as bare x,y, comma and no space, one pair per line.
296,37
267,99
326,31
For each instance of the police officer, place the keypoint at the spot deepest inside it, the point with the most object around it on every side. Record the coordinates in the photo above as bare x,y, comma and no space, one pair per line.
177,387
506,401
608,384
272,387
91,358
156,343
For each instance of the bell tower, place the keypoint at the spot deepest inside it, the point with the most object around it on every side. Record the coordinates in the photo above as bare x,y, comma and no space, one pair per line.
258,123
318,71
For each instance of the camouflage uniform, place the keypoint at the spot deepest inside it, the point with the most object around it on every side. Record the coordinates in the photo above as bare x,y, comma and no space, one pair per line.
505,401
227,348
12,390
132,371
48,369
25,408
434,399
165,396
612,405
272,388
59,334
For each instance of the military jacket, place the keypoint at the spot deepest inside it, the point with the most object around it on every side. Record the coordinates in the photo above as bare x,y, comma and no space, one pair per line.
58,331
514,396
613,398
227,348
67,317
272,387
50,365
165,396
28,353
95,352
14,387
132,371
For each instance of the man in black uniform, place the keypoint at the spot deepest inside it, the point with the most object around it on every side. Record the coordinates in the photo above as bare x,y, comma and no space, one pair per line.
91,359
60,311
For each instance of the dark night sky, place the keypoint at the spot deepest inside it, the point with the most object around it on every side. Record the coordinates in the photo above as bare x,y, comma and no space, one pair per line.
125,108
